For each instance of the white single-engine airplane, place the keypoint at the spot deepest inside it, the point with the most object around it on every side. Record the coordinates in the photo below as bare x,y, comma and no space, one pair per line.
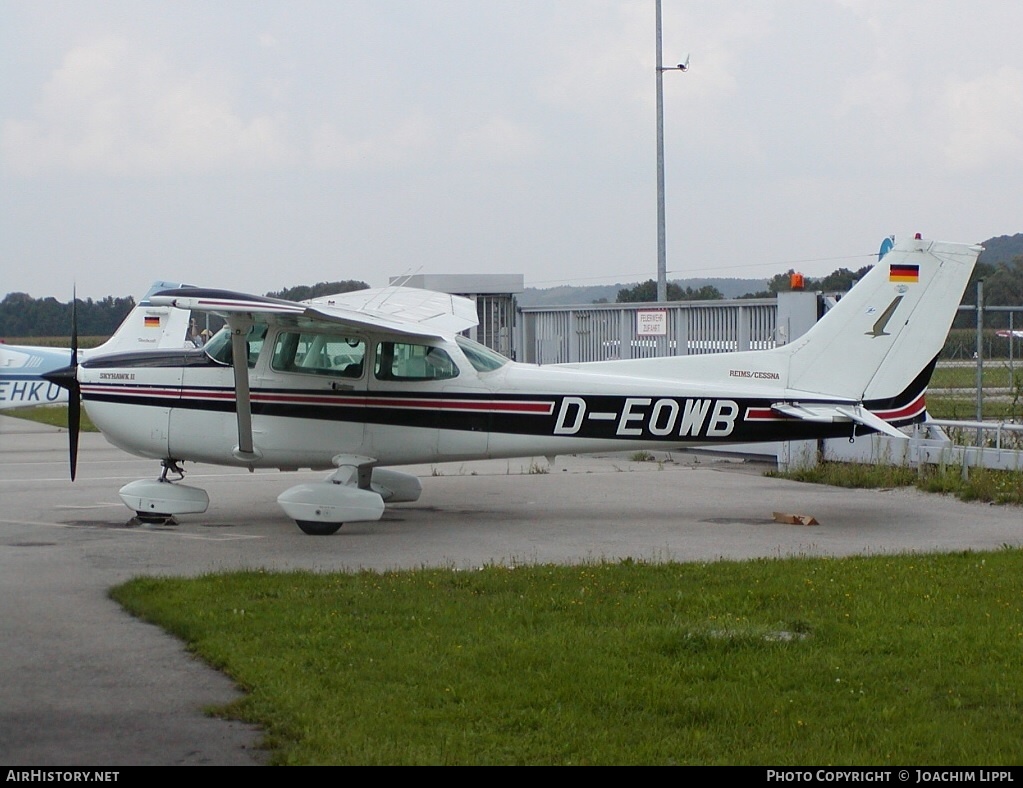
22,367
377,378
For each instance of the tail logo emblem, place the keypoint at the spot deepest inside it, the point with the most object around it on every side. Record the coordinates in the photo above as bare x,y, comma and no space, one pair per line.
882,322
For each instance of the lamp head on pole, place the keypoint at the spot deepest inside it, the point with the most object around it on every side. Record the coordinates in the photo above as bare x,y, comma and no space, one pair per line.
680,67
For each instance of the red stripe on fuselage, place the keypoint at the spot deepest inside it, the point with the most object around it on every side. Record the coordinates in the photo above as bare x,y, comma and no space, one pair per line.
913,409
540,408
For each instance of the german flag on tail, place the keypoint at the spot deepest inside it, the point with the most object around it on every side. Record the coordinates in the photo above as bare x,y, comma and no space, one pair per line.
901,272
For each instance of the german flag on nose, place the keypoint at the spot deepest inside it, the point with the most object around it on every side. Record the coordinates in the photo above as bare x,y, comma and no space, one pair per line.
901,272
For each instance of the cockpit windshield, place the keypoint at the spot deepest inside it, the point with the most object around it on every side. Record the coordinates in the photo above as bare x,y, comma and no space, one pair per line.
219,347
480,356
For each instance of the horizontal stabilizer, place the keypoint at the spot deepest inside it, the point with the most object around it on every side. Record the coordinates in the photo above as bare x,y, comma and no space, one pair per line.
863,416
830,414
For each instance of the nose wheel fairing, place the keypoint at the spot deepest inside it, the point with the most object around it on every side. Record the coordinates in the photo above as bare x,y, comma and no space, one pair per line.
153,499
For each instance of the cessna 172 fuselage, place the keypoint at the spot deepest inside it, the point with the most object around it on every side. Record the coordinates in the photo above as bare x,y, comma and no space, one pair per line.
381,378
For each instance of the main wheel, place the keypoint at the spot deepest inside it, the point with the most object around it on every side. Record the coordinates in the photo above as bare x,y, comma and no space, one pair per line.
155,518
314,528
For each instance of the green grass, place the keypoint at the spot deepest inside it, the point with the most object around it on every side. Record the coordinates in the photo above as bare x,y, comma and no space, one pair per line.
851,474
997,374
977,484
85,343
877,660
54,415
953,392
964,408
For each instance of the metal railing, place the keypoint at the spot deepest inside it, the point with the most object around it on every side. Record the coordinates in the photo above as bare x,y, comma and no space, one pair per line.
569,334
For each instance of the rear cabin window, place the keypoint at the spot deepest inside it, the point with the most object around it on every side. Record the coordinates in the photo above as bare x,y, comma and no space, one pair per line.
405,361
319,354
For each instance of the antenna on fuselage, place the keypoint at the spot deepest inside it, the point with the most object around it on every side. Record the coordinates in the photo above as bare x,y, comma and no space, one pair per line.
399,281
392,288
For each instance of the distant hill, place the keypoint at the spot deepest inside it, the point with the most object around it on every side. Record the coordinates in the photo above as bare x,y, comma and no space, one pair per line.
567,295
1003,249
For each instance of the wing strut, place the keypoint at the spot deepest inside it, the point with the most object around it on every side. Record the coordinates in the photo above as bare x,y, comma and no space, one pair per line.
243,406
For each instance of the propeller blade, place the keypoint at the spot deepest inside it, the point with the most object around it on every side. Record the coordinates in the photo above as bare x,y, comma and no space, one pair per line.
74,423
74,326
74,399
67,378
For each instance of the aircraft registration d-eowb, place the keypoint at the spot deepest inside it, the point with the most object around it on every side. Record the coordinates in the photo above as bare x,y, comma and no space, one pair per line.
358,382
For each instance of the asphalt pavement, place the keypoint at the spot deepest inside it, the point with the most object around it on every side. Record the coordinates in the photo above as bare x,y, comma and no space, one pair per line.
83,683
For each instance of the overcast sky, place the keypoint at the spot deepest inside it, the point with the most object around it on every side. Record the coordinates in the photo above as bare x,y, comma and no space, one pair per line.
256,145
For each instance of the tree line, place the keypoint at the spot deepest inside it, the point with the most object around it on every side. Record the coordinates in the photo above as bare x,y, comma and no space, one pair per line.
1000,266
24,316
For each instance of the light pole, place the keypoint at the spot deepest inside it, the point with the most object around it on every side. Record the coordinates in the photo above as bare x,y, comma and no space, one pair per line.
662,269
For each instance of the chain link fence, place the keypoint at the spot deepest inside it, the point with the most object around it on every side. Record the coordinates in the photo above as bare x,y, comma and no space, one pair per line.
979,377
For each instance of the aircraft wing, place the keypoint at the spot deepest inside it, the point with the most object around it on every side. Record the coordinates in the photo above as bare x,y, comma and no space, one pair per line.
447,313
402,310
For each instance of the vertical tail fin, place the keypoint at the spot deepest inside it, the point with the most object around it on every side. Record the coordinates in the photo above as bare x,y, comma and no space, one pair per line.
891,325
147,326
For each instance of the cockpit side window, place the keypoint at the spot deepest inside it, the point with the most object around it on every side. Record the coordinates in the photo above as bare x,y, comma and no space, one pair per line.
219,347
409,362
319,354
